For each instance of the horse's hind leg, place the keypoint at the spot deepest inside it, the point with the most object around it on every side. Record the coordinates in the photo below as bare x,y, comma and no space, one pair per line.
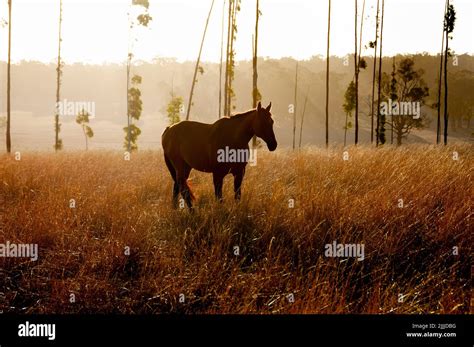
175,182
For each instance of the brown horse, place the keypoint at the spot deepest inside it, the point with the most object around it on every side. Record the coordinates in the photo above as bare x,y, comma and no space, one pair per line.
192,145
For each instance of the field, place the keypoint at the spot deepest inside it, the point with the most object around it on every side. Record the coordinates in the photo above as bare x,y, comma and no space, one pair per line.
120,247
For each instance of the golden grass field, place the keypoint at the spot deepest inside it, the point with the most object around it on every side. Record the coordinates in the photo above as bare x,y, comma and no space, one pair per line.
409,264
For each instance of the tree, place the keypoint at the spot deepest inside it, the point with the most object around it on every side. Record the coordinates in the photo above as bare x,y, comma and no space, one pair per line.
438,124
220,64
174,109
227,57
356,74
135,106
234,8
8,134
83,120
380,132
302,116
294,106
327,79
141,17
256,96
373,44
393,96
450,19
196,68
406,87
360,63
349,106
58,143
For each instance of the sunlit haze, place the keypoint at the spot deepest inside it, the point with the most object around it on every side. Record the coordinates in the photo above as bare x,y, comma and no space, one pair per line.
96,31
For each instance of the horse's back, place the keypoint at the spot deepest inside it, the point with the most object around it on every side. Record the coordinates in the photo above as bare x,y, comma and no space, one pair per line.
188,141
188,131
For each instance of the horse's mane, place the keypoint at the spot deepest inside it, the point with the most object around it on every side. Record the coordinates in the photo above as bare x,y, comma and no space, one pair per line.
242,114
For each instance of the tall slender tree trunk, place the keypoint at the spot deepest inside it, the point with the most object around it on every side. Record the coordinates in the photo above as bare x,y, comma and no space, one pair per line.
129,63
255,92
231,57
380,76
438,123
446,85
220,65
302,117
327,79
198,61
392,96
294,106
129,137
360,36
356,72
57,125
8,135
373,75
227,58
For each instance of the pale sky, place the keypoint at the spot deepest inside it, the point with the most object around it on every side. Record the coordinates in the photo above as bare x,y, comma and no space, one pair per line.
95,31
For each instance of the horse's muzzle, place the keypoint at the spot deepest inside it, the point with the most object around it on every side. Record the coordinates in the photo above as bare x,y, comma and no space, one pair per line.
272,146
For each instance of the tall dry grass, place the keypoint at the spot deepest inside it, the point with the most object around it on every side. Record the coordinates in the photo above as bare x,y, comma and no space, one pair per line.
409,264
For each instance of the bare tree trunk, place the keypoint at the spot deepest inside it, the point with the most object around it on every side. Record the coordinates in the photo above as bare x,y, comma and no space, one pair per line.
438,124
129,62
327,80
392,97
255,92
446,85
358,69
8,135
356,72
399,138
220,66
226,83
294,106
391,130
57,142
360,36
380,75
373,75
302,116
231,57
198,61
129,137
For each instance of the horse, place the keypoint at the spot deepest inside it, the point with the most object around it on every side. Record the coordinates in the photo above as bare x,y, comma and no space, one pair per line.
191,145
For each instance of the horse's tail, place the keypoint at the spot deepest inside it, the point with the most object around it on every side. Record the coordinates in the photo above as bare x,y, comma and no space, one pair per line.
170,168
173,174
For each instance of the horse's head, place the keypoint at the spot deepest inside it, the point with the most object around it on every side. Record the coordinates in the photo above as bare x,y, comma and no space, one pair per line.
263,126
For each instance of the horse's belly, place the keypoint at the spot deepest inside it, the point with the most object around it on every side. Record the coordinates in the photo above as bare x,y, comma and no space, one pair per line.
202,168
198,161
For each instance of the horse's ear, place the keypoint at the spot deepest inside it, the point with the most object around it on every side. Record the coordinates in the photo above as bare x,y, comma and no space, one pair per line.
269,107
259,106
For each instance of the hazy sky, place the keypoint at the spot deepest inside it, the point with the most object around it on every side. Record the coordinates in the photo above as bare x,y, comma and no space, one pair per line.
95,31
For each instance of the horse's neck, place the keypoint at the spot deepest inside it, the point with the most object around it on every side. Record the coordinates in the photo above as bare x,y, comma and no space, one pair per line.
243,130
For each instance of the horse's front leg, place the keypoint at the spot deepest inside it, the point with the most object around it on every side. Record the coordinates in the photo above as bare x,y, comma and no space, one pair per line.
238,178
218,182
